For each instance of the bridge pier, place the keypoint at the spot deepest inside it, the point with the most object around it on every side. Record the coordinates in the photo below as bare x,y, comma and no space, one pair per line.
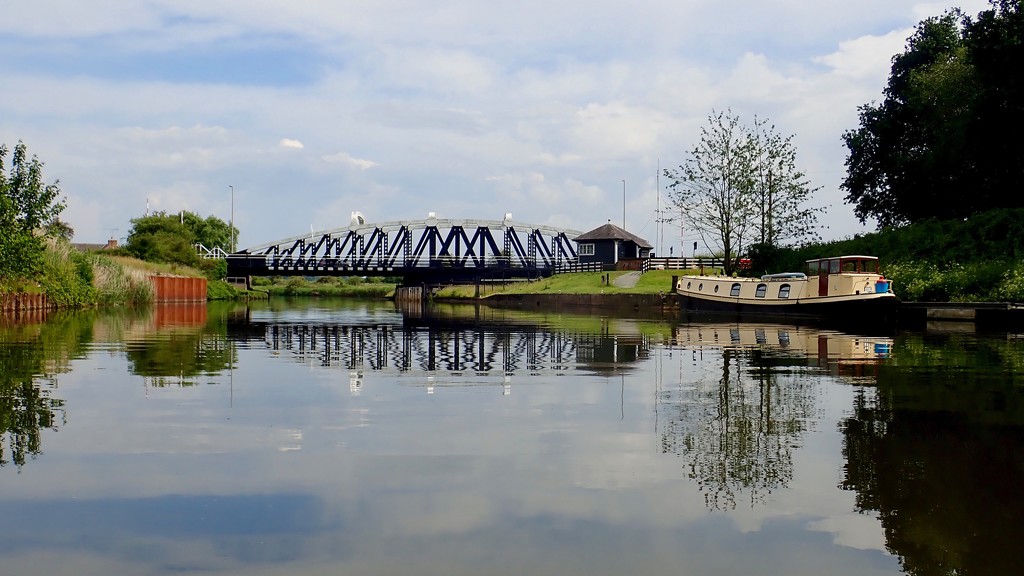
411,294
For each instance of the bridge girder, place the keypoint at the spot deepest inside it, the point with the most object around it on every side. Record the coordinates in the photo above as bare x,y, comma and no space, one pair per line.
419,250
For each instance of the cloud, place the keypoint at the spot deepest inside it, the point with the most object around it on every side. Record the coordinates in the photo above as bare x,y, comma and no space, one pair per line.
345,158
562,108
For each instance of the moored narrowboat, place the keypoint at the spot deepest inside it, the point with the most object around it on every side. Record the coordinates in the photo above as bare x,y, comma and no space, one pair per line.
843,287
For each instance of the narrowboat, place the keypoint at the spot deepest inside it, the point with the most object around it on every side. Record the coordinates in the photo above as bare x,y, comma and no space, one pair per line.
839,288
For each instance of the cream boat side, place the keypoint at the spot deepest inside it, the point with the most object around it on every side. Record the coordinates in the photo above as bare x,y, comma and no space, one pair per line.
832,285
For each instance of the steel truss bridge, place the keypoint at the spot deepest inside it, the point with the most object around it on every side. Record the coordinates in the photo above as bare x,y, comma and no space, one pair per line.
418,250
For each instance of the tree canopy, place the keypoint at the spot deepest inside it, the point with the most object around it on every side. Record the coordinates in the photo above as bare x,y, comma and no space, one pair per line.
943,142
27,206
163,237
740,184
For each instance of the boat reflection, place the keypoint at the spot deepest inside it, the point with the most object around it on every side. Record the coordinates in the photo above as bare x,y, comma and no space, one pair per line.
746,398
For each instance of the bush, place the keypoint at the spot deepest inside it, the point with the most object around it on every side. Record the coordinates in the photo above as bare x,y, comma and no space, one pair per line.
214,269
66,275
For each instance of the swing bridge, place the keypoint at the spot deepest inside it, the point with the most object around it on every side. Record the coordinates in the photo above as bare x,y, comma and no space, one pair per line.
427,250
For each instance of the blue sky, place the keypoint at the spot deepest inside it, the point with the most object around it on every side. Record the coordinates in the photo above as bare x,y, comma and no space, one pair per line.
396,108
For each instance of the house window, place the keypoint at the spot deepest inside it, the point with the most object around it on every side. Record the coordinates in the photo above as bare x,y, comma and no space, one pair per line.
762,289
586,249
735,290
784,291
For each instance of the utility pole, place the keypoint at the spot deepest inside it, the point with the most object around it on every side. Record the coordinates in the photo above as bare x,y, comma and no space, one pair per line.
623,204
232,219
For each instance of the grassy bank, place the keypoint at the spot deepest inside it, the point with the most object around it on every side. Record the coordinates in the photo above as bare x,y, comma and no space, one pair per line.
349,287
73,279
651,282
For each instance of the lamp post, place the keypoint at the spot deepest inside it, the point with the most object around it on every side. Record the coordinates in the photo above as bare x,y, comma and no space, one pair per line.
623,204
232,219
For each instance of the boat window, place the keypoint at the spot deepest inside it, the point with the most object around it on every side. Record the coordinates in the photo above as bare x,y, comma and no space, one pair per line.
851,265
784,291
833,266
735,289
815,267
688,285
716,288
762,289
700,286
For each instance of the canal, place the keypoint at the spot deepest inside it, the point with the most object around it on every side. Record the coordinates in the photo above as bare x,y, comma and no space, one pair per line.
351,437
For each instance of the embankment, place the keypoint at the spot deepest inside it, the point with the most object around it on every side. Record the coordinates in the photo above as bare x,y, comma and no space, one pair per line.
582,301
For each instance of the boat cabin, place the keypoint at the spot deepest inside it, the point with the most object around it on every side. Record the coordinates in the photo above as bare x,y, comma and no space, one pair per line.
846,275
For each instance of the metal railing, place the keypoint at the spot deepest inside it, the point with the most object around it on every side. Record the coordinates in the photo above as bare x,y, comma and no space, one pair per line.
209,254
681,263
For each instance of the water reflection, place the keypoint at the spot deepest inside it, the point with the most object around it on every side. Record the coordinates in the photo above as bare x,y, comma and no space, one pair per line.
936,448
166,344
633,445
452,340
33,351
737,427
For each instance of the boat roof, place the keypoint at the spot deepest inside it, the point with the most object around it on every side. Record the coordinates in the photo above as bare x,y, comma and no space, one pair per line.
852,256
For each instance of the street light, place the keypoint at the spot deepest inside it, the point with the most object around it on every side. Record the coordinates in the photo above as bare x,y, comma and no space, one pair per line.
232,219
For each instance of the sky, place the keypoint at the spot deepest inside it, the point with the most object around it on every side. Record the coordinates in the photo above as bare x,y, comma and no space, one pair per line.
288,116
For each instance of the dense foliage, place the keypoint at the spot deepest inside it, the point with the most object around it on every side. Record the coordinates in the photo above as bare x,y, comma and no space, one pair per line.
163,237
943,143
977,258
740,184
27,206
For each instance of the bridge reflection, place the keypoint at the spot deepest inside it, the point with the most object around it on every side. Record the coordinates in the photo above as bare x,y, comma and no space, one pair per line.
432,346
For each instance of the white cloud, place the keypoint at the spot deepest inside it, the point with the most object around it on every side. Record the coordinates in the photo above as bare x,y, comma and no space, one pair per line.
344,158
446,96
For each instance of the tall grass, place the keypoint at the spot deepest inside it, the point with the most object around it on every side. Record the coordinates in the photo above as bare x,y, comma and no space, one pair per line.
67,275
116,283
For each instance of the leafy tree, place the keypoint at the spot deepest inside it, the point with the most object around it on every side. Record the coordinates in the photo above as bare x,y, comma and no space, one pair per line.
942,144
26,205
58,228
713,186
211,231
163,237
780,190
741,183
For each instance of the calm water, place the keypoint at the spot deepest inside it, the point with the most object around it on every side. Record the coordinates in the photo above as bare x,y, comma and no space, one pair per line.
348,438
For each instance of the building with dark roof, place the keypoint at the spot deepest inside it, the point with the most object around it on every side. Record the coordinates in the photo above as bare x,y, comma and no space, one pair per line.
609,244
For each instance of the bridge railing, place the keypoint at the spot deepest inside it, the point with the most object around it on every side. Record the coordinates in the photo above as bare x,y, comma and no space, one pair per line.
567,267
682,263
209,253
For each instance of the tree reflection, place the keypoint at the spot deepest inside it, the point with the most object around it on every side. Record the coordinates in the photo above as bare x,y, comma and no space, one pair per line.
184,341
30,357
737,430
936,450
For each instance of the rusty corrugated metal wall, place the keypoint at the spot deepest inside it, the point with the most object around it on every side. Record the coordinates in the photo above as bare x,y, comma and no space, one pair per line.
12,303
178,289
